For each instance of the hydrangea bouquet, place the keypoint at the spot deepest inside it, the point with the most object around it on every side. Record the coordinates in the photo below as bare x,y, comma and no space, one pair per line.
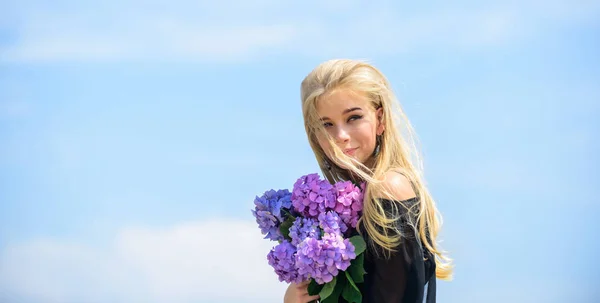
315,227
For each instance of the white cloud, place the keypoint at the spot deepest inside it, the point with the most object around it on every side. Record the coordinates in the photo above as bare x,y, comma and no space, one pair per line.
149,39
217,260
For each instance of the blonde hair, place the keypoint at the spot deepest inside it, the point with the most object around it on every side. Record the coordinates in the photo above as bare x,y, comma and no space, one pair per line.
398,152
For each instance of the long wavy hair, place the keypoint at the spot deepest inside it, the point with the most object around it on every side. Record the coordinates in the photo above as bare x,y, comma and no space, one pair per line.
397,152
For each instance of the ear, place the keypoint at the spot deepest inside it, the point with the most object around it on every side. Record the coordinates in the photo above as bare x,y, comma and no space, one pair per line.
380,125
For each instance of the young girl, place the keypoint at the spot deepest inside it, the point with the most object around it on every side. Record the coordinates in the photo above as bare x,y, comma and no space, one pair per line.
358,132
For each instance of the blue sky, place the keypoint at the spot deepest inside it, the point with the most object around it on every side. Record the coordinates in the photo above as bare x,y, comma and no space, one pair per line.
135,135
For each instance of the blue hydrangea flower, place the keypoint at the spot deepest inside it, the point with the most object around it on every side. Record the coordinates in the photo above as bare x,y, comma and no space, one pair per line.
269,213
303,228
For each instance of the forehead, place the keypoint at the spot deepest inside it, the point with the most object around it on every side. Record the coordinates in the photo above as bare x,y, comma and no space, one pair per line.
336,102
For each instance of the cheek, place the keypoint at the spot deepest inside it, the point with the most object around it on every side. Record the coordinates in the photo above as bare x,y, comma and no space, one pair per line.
368,140
367,134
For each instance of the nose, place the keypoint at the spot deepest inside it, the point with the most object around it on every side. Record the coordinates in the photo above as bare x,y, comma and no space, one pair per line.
341,135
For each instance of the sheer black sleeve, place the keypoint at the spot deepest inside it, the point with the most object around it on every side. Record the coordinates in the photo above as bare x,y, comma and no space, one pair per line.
408,275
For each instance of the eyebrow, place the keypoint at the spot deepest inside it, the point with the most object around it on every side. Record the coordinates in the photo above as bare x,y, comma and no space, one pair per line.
344,112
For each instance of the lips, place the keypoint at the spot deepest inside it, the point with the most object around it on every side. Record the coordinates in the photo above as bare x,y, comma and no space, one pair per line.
350,151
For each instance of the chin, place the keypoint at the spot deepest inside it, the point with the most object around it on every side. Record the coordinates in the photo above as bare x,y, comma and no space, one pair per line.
360,160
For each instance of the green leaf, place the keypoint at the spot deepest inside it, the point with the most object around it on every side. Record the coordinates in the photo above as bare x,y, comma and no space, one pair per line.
314,287
359,244
287,212
357,269
284,228
327,289
337,291
351,292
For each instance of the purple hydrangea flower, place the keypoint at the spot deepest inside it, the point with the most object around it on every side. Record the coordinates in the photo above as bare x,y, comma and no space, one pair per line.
331,223
316,247
349,202
268,212
282,259
312,196
323,259
303,228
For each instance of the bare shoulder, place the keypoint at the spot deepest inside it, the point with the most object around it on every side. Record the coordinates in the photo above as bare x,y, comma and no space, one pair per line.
398,186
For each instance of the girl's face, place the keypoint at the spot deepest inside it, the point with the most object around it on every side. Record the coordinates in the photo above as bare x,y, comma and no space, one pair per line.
352,122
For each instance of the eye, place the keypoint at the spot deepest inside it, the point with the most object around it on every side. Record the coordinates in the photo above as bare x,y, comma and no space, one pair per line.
327,124
354,117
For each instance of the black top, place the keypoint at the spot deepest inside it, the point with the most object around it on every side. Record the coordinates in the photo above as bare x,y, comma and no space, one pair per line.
408,276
